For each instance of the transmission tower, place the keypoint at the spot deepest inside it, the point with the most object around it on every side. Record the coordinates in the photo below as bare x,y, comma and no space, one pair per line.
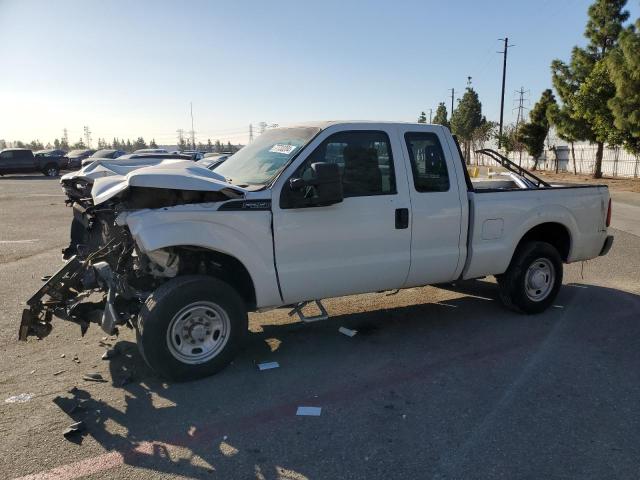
87,136
65,136
250,132
180,133
521,108
193,133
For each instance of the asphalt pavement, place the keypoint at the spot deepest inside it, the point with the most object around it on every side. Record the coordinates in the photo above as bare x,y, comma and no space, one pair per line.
437,383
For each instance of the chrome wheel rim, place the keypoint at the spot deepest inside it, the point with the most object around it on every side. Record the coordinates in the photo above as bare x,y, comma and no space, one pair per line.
539,279
198,332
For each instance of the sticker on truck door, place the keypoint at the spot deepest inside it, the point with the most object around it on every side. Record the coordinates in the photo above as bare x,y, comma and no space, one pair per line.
282,148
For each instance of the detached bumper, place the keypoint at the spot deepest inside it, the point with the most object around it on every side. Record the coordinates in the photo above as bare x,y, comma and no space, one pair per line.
607,245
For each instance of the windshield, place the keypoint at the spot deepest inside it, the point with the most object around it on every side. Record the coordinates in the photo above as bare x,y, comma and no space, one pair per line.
260,161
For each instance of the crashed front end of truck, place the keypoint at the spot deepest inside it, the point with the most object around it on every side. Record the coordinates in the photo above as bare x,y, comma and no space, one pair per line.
107,278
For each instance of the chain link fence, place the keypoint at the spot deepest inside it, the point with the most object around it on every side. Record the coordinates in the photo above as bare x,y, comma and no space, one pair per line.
616,162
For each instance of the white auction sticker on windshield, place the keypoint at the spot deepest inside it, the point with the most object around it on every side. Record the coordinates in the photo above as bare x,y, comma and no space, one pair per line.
282,148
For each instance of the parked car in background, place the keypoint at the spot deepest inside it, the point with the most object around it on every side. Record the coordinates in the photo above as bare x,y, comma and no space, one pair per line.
104,153
213,160
53,154
22,160
151,150
195,155
74,157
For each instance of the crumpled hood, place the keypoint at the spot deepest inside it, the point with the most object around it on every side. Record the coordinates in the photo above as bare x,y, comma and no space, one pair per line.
169,174
107,167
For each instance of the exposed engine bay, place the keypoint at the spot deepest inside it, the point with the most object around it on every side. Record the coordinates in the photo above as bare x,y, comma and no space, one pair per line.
107,279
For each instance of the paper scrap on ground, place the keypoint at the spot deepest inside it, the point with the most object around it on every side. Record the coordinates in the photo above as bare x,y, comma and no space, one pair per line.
347,331
309,411
268,365
22,398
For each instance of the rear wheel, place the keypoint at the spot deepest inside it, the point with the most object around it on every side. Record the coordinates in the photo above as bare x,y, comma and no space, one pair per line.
191,327
533,279
51,170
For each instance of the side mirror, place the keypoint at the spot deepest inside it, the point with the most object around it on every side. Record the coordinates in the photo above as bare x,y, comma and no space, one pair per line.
324,188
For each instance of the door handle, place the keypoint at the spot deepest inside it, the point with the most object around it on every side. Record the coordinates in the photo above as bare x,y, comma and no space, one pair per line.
402,218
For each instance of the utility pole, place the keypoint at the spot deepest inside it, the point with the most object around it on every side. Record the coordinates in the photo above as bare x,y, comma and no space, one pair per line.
87,136
452,93
250,132
193,133
504,77
430,114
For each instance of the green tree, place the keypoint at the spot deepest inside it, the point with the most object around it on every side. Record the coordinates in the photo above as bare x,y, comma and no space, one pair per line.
79,144
56,144
422,118
584,85
64,144
624,70
209,145
466,118
153,144
128,146
532,134
440,117
139,144
218,146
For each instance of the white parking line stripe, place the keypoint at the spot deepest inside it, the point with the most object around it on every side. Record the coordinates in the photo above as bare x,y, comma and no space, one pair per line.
20,241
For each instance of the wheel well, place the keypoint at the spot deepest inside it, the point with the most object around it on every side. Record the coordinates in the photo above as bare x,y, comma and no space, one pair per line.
220,265
555,234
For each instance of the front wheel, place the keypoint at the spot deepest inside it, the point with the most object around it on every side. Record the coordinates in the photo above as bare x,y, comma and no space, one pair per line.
51,170
191,327
533,279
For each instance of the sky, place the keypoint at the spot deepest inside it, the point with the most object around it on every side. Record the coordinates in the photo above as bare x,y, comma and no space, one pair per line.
131,68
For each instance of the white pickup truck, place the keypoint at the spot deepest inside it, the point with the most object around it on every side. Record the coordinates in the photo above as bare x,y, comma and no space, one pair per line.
305,213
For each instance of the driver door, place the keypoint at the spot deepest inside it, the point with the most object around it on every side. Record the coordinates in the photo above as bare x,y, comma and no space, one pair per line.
357,245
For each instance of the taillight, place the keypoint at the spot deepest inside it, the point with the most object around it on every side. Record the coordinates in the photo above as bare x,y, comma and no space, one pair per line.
609,214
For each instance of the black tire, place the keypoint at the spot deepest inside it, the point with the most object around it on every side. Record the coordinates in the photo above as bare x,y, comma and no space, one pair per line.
51,170
517,286
160,313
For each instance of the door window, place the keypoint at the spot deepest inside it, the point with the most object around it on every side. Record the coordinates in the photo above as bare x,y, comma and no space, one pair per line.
428,163
364,158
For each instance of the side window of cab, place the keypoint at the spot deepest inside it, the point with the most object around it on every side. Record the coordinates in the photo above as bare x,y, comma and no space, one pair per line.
364,158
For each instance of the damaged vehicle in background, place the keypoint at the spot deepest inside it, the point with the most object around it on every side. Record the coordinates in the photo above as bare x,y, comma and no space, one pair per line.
181,253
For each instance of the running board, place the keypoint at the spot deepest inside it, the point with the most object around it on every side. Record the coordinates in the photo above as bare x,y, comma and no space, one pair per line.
315,318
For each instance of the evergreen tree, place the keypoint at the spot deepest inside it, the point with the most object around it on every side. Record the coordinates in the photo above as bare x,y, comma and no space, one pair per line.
533,133
624,70
209,145
584,85
441,115
422,118
56,144
153,144
139,144
466,118
218,146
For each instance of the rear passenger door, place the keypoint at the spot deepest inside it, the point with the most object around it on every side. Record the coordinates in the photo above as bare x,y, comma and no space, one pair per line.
436,227
358,245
